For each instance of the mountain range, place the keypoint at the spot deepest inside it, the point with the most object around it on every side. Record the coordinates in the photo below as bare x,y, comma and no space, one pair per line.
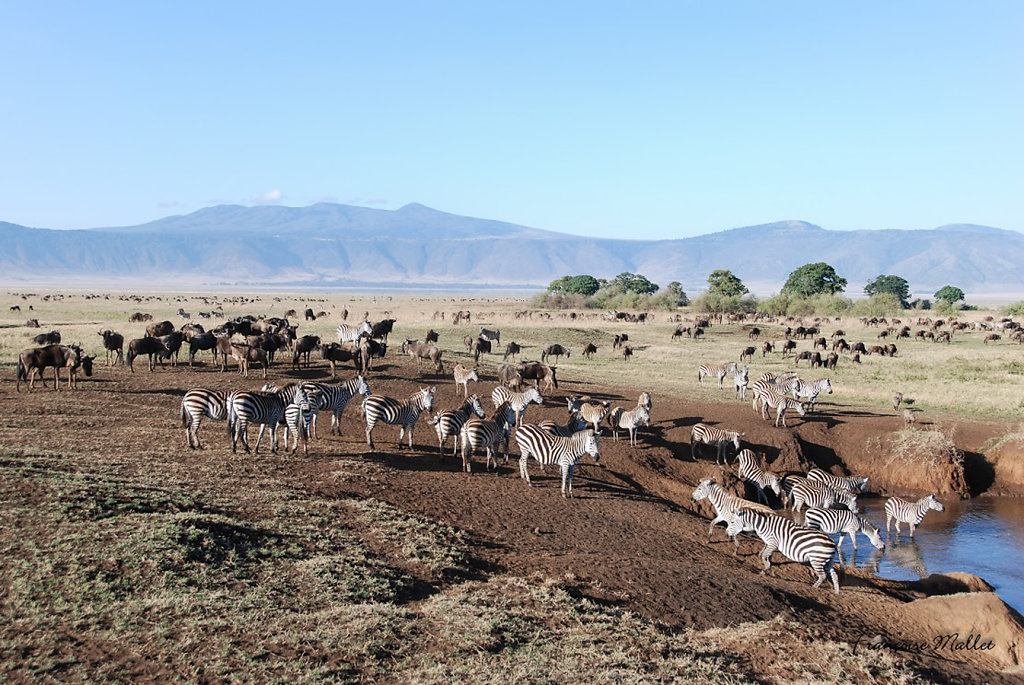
334,245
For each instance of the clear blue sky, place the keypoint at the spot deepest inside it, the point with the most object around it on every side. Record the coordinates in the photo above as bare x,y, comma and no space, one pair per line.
650,119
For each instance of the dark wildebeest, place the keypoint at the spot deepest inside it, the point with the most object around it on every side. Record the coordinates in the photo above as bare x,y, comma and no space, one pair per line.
421,350
149,346
859,347
627,352
891,350
157,330
370,349
172,341
806,354
766,347
820,342
754,333
555,351
310,316
991,337
303,347
431,336
139,317
677,334
342,352
877,349
748,352
698,333
490,336
619,339
537,372
51,338
200,342
832,360
788,346
382,329
480,346
113,343
589,350
249,354
59,357
816,360
511,350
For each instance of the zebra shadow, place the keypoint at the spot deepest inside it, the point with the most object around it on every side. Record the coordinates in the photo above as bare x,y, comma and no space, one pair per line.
172,392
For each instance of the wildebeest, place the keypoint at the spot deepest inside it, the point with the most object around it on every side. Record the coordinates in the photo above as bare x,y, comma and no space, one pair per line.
342,352
51,338
747,352
480,346
491,336
249,354
859,347
370,349
509,376
421,350
619,339
877,349
172,341
788,346
538,372
199,342
589,350
511,350
991,337
113,343
139,317
891,350
303,347
832,360
820,342
382,329
431,336
157,330
310,316
766,347
59,357
806,354
627,352
149,346
555,350
816,360
680,329
754,333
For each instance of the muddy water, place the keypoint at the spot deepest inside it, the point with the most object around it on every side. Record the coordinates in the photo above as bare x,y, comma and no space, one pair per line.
983,536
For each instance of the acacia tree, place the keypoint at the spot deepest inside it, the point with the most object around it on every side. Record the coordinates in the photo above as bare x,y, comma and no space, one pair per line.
889,284
813,279
582,284
634,283
724,282
950,294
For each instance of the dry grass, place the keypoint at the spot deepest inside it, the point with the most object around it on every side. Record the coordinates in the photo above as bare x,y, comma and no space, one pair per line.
929,448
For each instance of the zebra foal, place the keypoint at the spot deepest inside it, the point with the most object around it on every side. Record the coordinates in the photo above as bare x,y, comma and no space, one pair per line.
547,448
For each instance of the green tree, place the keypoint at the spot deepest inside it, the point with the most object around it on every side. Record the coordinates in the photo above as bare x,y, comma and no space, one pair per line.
723,282
582,284
812,279
950,294
634,283
892,285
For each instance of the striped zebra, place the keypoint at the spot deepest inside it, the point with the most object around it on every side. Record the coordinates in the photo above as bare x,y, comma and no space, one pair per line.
550,449
833,521
771,399
348,333
854,484
196,404
750,471
769,382
573,424
264,408
720,372
909,512
815,494
740,381
519,401
298,419
591,412
719,438
810,391
334,397
726,506
462,378
645,400
397,413
620,419
449,422
488,434
800,544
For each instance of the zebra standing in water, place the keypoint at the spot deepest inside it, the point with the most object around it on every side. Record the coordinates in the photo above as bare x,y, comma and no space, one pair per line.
264,408
750,471
833,521
854,484
550,449
298,418
196,404
810,391
720,439
802,545
909,512
488,434
726,506
519,401
397,413
815,494
450,421
336,396
771,399
719,372
620,419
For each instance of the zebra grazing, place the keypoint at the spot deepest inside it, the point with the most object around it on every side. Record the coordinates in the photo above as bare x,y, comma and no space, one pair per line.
854,484
348,333
488,434
462,378
750,471
196,404
771,399
800,544
726,505
833,521
591,412
550,449
397,413
810,391
450,421
518,401
298,419
720,439
740,380
815,494
336,396
720,372
909,512
620,419
264,408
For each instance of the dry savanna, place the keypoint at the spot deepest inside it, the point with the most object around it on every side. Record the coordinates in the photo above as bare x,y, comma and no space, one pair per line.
128,556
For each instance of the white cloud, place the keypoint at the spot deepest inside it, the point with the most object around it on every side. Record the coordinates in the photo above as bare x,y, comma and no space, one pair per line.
271,197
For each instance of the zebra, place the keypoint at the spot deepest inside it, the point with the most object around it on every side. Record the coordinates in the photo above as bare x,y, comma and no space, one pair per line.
450,421
770,399
740,380
619,418
815,494
348,333
462,378
854,484
750,471
770,382
800,544
718,437
488,434
843,522
810,391
720,372
591,412
264,408
298,418
519,401
336,396
645,400
550,449
726,505
909,512
196,404
397,413
574,424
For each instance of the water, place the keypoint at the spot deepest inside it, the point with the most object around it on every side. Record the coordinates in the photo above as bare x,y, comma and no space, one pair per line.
983,536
